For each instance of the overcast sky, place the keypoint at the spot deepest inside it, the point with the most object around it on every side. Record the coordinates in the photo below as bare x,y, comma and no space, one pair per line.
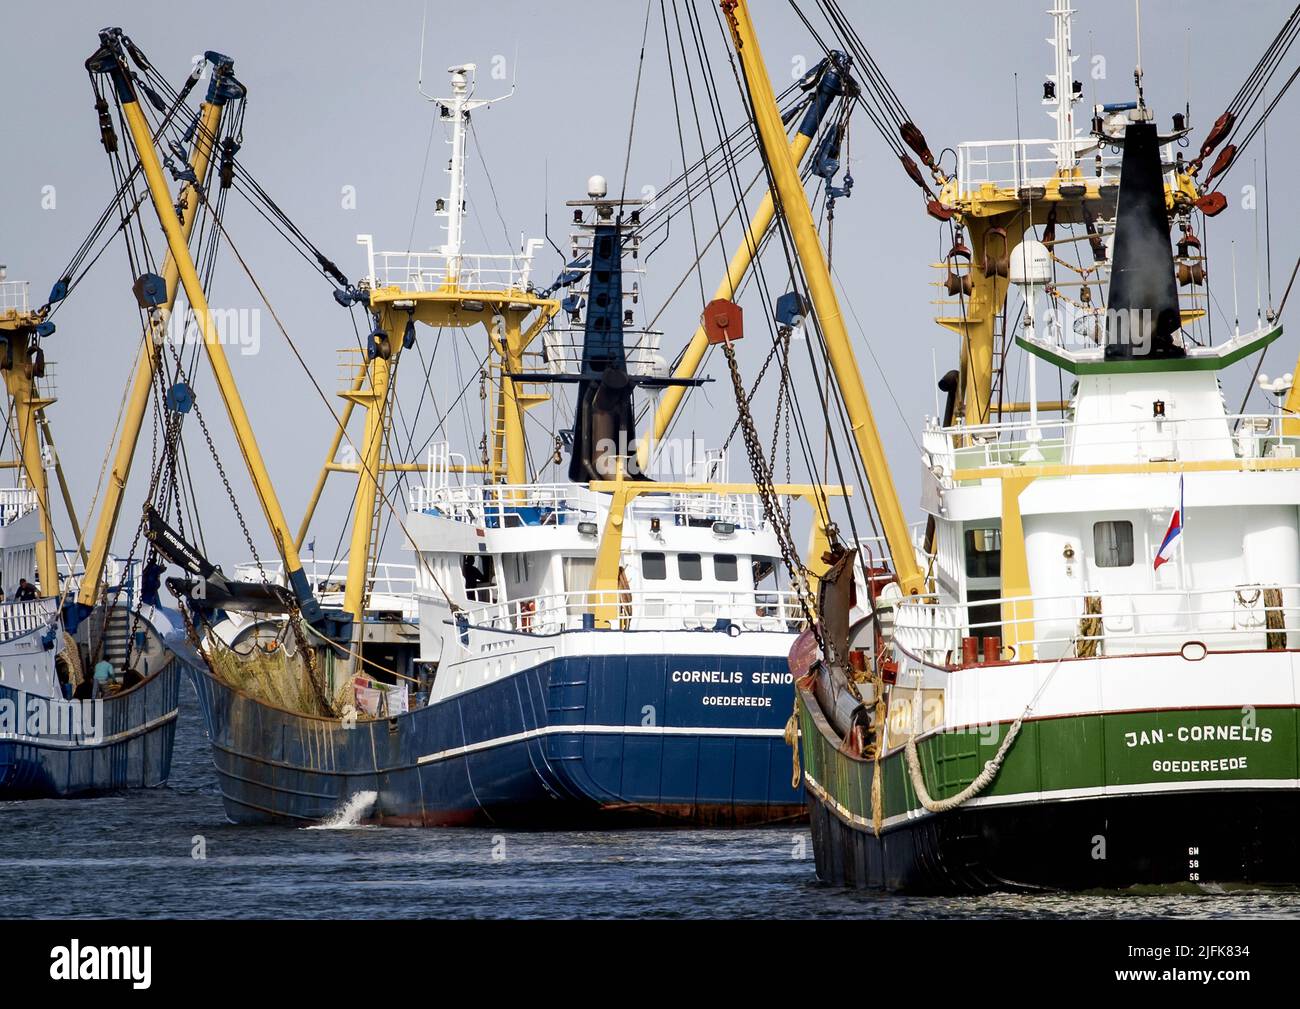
333,111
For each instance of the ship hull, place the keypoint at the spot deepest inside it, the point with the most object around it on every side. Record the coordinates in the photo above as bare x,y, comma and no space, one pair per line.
1196,838
1112,795
127,743
577,741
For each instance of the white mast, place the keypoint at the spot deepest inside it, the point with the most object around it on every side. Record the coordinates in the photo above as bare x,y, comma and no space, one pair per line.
456,110
1062,102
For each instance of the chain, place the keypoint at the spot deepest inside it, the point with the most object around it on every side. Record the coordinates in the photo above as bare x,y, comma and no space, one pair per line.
225,481
754,388
781,392
763,479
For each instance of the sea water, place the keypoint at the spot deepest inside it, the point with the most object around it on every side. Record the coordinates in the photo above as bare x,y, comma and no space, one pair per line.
171,853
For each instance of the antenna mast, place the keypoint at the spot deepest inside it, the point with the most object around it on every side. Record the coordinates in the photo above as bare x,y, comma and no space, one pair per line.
1061,94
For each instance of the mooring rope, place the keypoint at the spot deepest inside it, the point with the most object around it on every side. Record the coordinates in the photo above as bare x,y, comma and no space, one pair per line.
991,767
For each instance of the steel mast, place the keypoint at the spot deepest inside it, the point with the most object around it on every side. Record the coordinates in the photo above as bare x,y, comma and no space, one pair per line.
111,60
221,88
839,348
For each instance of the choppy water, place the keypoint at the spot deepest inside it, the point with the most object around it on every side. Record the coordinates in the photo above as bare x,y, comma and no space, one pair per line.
133,856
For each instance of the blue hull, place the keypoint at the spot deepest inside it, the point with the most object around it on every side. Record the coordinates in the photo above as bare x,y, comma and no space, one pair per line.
133,747
573,742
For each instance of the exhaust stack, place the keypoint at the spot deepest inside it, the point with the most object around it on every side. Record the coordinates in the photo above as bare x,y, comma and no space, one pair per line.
1142,313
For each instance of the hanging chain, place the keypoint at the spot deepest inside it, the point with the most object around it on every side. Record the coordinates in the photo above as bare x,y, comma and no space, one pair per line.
771,354
763,479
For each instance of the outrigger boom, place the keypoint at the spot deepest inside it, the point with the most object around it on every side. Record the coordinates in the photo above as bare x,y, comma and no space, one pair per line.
839,349
110,59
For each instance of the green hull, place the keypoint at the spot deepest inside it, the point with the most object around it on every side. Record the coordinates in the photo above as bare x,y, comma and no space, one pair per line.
1090,770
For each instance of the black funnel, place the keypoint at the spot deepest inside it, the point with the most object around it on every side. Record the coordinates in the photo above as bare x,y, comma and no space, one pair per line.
1142,314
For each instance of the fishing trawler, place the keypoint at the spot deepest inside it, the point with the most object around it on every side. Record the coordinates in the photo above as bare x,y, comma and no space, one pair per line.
1093,680
58,738
601,649
90,697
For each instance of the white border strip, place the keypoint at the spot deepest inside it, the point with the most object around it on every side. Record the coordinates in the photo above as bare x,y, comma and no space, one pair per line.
55,743
597,730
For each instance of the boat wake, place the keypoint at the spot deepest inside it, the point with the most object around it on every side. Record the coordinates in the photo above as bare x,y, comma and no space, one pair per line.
350,813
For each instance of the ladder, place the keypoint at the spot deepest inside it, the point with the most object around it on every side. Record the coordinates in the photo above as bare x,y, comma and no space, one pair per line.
998,364
116,646
532,360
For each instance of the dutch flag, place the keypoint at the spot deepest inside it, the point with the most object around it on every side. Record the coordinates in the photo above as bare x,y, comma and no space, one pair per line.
1175,534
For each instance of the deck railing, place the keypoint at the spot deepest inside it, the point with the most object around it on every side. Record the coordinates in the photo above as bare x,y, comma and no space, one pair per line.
1018,164
329,575
1239,618
421,272
702,610
15,502
23,617
1234,436
508,506
563,348
14,295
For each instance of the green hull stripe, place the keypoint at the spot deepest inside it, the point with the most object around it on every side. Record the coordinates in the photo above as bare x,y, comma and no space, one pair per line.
1057,759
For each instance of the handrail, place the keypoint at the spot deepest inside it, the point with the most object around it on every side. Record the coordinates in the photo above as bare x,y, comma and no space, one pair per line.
1015,164
26,615
15,502
432,271
1119,623
14,295
386,579
1220,437
508,505
772,610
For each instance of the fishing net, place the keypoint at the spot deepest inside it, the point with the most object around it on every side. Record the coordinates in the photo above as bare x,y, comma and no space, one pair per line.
275,672
71,657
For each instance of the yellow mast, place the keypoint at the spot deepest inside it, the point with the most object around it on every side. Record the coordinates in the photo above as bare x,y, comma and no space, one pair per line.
839,348
19,329
462,299
151,346
373,398
64,490
449,306
189,279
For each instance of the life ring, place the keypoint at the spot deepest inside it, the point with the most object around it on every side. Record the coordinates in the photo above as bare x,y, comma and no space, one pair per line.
526,611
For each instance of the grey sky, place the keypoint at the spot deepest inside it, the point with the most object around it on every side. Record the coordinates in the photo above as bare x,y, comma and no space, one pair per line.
332,104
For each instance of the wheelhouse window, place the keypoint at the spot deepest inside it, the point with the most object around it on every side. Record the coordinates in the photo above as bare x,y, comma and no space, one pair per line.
1112,544
479,572
725,568
690,568
764,568
983,553
654,567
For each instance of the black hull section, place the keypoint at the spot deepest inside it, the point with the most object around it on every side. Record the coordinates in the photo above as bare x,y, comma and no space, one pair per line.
1189,838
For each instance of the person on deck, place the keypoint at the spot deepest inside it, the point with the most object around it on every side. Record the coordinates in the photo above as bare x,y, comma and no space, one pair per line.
103,676
26,590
